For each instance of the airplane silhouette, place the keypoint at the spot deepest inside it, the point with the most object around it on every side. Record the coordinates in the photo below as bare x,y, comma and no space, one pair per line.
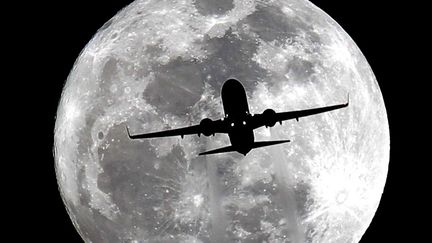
238,123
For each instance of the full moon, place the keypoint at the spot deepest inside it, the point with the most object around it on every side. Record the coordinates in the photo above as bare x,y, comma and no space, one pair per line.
161,64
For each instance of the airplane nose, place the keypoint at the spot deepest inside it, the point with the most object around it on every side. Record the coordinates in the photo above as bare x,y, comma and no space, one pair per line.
232,83
232,80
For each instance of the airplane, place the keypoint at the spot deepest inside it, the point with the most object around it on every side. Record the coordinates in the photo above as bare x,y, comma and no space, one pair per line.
238,122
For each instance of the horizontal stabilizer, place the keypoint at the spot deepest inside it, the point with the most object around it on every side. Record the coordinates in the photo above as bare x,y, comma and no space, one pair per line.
219,150
268,143
254,145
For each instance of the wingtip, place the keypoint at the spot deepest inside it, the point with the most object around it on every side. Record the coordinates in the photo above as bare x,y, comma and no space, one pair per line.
127,130
347,103
203,153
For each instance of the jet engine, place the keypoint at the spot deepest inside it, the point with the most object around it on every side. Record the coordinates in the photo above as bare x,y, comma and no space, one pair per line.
206,125
269,116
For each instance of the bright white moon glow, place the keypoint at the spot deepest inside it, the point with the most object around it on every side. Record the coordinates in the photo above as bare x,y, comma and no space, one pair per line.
161,64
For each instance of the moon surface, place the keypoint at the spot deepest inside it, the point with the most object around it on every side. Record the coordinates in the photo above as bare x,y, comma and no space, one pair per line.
160,64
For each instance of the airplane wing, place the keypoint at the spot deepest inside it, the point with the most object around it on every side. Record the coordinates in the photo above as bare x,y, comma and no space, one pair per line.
207,128
269,117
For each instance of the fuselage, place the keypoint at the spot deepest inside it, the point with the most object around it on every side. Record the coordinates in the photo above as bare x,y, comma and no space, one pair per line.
236,111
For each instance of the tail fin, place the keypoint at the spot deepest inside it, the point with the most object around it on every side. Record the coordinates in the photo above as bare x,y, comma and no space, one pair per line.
219,150
268,143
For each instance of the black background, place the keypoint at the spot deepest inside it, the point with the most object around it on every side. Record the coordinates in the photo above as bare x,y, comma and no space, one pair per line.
52,34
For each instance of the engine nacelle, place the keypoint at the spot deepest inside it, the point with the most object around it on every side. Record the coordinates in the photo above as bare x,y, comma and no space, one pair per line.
207,126
269,117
